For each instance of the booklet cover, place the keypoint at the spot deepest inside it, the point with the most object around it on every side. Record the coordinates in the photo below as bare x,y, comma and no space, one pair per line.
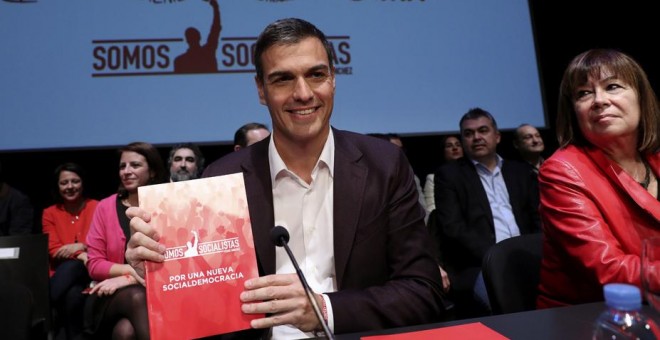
205,226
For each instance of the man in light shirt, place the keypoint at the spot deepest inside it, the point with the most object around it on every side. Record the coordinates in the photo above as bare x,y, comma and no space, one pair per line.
480,199
348,201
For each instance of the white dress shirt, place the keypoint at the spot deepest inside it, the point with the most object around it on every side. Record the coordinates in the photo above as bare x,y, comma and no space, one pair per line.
498,197
306,211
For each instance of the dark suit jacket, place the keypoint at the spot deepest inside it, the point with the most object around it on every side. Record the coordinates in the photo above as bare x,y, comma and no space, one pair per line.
16,213
386,274
465,221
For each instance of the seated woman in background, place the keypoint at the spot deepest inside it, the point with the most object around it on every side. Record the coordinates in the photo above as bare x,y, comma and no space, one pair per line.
452,149
599,192
66,224
117,306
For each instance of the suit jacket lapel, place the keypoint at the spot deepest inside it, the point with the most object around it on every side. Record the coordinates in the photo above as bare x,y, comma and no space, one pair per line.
256,171
512,181
477,188
349,180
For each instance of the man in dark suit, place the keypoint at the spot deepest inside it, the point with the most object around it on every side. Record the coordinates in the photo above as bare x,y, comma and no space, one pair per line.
16,212
349,202
480,200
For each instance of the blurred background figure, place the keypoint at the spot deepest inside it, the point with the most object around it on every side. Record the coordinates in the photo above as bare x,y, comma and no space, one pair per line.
249,134
527,140
67,223
452,149
396,140
185,162
16,213
599,191
117,305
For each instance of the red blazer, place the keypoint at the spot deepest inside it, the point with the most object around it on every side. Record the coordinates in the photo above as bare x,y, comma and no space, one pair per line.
63,228
594,218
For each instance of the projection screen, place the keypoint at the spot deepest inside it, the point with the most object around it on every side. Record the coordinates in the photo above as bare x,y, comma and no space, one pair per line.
89,73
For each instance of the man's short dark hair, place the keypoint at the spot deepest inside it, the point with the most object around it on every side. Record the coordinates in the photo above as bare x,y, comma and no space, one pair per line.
287,32
240,137
476,113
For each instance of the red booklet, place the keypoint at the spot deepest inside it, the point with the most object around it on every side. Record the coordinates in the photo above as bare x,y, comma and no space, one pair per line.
205,226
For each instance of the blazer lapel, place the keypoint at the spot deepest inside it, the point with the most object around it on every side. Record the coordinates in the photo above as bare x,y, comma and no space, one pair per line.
477,188
350,178
258,186
513,180
627,183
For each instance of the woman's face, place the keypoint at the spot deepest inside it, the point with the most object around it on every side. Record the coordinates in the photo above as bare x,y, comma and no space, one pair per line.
607,109
452,149
133,171
70,186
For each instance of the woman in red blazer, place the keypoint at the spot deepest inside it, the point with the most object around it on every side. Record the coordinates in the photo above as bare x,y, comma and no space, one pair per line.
599,191
66,224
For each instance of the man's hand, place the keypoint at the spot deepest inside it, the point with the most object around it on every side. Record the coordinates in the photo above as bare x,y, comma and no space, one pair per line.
445,280
284,298
143,244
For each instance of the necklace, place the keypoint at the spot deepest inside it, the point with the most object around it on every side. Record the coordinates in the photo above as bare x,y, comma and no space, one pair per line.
74,212
647,177
126,202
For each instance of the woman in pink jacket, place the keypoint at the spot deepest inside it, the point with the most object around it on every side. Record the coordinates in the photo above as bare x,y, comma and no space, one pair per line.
599,191
117,307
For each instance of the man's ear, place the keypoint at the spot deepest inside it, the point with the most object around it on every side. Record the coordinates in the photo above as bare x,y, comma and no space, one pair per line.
332,73
260,90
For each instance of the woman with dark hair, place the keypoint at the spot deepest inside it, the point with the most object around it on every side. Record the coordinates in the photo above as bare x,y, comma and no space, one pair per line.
67,223
117,306
452,149
599,191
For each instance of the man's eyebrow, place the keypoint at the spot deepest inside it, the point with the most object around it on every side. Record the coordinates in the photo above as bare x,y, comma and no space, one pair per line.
320,67
476,128
277,74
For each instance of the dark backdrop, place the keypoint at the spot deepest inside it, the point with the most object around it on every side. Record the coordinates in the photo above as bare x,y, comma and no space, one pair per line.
562,29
